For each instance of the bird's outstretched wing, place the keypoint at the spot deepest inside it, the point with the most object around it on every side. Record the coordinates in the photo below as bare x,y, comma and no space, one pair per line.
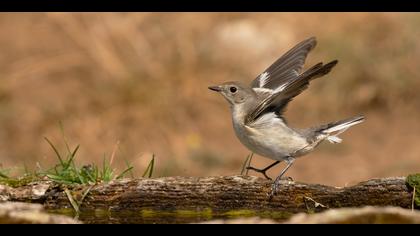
286,68
276,100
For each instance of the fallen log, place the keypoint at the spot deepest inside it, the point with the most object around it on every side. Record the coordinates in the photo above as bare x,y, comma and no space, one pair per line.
186,199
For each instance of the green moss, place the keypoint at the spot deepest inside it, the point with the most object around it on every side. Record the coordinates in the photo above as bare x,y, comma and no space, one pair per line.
276,215
102,213
413,181
62,211
206,213
240,213
18,182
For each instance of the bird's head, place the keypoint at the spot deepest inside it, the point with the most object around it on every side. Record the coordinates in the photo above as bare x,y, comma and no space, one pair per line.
234,92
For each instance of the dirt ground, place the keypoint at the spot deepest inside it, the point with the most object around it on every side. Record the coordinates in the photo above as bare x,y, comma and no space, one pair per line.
140,80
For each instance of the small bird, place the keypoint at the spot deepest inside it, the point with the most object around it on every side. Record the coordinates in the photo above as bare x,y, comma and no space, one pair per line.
257,110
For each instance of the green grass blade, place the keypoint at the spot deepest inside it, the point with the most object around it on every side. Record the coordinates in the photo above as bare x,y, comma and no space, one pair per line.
131,170
64,136
124,172
59,179
84,196
152,167
72,201
76,171
75,150
149,169
55,177
249,163
104,169
70,161
55,150
107,172
97,177
56,170
246,164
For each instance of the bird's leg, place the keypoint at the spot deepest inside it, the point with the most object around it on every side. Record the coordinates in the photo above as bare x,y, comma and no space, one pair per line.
262,171
274,188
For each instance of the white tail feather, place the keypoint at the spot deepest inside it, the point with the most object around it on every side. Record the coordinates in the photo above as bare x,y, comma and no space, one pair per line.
342,127
334,139
333,132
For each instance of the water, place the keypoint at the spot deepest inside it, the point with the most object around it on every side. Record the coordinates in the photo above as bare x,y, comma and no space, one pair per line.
149,216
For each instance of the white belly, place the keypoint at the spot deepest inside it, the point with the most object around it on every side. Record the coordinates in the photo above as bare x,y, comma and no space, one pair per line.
269,137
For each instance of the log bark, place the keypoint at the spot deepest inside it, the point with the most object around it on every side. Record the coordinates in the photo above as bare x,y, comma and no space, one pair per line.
206,197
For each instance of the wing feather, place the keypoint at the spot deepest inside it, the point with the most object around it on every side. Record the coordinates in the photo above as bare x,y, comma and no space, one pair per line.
285,68
277,101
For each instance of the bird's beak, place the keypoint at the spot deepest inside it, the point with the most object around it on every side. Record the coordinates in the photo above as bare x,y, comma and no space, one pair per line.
215,88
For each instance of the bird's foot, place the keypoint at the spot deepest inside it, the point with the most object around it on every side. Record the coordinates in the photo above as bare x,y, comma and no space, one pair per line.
274,189
276,185
262,171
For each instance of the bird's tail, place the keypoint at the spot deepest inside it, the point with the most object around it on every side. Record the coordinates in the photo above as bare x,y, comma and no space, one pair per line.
332,130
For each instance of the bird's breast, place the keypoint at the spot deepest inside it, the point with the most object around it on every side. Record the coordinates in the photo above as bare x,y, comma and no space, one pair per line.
268,136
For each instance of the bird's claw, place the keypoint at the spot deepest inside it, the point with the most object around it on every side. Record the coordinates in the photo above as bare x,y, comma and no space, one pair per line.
259,171
266,176
275,186
274,189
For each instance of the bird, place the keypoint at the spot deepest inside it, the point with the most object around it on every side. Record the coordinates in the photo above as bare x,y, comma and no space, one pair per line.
258,110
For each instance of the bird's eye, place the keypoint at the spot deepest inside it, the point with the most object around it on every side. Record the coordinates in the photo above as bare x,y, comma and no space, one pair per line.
233,89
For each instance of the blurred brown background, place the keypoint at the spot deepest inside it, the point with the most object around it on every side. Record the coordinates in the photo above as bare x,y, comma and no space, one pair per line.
141,79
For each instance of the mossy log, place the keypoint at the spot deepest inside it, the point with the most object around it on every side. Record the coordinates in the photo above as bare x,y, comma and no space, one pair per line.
208,196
